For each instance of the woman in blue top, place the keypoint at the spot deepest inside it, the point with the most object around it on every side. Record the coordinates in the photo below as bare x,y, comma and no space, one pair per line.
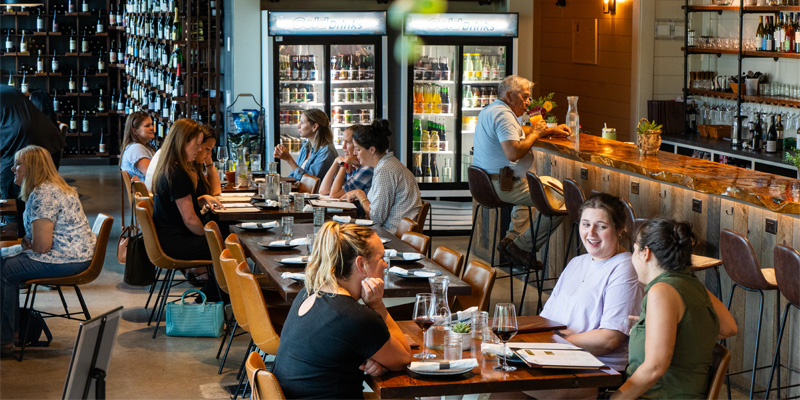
317,154
136,153
59,240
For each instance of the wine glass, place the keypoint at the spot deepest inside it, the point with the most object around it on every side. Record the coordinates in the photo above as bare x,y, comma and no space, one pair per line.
423,317
504,326
222,156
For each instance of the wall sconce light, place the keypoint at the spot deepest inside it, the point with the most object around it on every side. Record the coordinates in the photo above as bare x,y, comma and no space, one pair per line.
609,7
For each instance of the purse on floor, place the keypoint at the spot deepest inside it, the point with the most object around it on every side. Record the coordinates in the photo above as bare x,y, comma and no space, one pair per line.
139,271
195,320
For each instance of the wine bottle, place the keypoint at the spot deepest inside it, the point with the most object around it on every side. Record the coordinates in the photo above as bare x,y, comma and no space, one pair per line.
84,45
100,104
71,6
434,170
427,174
443,146
779,135
772,138
40,21
112,16
101,66
101,147
23,44
85,123
54,63
85,84
40,64
23,87
9,43
176,27
11,79
120,102
71,86
84,6
56,103
99,27
73,123
54,24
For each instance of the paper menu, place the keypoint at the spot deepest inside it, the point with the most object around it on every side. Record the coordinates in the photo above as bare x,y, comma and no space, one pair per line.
333,204
554,358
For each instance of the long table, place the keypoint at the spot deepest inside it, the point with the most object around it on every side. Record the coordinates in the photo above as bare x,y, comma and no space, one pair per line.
8,207
267,262
484,379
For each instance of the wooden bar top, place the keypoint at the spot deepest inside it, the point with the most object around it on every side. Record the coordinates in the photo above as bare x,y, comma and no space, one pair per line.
773,192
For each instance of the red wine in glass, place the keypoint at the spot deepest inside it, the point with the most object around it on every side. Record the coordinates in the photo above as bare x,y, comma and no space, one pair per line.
423,322
505,333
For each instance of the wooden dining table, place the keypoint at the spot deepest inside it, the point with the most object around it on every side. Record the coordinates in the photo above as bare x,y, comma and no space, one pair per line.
8,207
395,286
483,378
266,214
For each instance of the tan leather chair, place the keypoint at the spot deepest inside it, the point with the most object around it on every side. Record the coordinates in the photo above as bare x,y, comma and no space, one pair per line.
263,383
405,225
309,184
573,200
719,366
787,274
139,187
102,230
271,294
126,194
214,239
480,277
449,259
422,215
233,244
418,241
155,253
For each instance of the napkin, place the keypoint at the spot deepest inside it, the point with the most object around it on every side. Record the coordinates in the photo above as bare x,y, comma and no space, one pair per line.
263,225
411,256
237,205
495,349
389,253
293,242
308,208
466,314
403,271
419,366
294,260
272,203
298,276
345,219
348,220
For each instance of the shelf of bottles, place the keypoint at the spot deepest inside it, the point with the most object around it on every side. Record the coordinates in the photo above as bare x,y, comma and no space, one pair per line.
352,78
302,87
171,61
61,48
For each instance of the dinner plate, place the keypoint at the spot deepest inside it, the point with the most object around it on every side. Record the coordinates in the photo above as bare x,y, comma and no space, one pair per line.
401,260
385,240
269,246
291,261
436,273
457,371
262,205
258,228
309,196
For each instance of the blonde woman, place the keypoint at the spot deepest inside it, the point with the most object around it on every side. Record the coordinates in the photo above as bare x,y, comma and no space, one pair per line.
350,339
136,152
59,240
318,153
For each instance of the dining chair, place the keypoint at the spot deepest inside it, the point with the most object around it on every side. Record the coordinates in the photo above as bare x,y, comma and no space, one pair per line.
422,215
233,244
102,230
418,241
262,331
264,384
148,203
787,274
309,184
215,245
126,194
630,225
139,187
573,200
480,276
156,254
719,368
228,263
405,225
449,259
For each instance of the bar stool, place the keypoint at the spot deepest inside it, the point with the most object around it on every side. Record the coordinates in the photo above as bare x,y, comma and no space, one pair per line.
630,223
787,274
482,190
742,266
573,200
545,208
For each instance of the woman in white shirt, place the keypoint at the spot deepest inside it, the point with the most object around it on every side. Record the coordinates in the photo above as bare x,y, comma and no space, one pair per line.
136,153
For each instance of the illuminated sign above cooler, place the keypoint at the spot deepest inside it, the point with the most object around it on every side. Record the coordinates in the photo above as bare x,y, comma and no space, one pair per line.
327,23
462,24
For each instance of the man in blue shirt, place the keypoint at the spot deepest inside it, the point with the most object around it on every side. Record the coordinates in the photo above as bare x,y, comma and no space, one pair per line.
500,141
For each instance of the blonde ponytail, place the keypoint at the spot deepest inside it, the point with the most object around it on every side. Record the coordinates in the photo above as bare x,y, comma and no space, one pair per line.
335,250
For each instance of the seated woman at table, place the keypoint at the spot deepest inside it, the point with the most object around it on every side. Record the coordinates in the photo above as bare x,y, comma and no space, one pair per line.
317,154
346,174
177,205
350,339
208,182
136,150
394,194
672,344
59,240
597,291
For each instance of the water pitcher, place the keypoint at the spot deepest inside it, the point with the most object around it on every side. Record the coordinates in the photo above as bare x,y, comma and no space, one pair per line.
573,120
273,182
442,316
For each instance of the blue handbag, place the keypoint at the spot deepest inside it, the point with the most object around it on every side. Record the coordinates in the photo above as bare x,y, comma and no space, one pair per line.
196,320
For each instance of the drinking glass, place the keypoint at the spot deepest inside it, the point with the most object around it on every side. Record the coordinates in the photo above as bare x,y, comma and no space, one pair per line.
299,202
288,226
310,242
504,326
222,156
423,317
286,201
286,188
452,347
319,216
255,162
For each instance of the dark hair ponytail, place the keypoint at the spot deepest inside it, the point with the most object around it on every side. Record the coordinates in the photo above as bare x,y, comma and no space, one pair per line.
670,242
375,134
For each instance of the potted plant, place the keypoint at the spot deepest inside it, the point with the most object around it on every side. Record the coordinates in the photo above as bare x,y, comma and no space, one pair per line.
648,137
540,109
465,331
793,157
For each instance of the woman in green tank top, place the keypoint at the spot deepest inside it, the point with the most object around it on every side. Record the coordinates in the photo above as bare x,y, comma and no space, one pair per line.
672,344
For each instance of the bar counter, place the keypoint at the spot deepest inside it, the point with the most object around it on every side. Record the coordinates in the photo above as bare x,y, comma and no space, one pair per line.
773,192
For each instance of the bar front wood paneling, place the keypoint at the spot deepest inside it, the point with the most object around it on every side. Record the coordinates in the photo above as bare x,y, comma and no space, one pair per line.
732,198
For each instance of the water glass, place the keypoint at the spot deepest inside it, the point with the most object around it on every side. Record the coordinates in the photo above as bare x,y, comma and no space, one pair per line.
286,201
299,202
319,216
286,188
255,162
452,347
288,226
310,242
480,320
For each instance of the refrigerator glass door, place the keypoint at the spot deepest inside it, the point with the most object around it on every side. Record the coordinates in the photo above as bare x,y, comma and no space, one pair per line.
483,69
302,87
434,122
353,96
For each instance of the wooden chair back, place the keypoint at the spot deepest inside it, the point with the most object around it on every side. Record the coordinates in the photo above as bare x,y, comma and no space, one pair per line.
418,241
480,277
309,184
405,225
449,259
719,368
422,215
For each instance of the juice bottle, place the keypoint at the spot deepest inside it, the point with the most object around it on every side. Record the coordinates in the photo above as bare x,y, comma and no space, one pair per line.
468,68
417,135
428,99
418,100
425,140
436,108
478,66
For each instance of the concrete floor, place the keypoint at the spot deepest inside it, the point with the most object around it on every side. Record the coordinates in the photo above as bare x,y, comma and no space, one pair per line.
141,367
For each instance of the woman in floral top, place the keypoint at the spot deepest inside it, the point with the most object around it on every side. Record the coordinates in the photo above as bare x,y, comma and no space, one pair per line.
59,241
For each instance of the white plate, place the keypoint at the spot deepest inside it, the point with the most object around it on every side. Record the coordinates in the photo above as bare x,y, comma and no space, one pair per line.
267,245
443,372
385,240
311,196
410,276
291,261
257,228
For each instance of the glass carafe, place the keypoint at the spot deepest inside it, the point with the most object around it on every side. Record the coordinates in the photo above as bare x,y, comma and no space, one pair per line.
573,120
273,182
441,314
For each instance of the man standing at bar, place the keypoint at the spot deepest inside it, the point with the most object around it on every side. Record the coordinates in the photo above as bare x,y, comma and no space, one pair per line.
501,142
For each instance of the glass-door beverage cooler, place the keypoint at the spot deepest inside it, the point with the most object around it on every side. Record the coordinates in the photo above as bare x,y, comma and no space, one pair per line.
331,61
462,60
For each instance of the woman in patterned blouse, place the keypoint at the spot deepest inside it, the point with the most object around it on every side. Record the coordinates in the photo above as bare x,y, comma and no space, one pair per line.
59,241
394,194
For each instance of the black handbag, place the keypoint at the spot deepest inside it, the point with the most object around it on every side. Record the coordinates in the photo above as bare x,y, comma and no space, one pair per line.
139,271
32,326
